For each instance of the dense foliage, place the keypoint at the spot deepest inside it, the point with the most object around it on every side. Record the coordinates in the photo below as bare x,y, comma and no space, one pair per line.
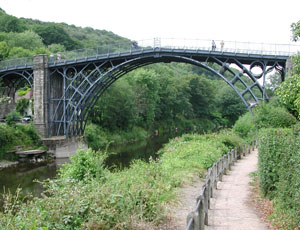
279,170
289,90
270,115
20,37
87,196
160,97
296,30
278,135
13,134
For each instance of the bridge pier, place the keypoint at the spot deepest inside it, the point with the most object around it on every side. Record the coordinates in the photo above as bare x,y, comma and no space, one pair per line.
64,147
40,94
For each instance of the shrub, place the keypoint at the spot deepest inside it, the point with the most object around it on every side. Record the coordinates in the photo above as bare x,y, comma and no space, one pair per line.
272,147
269,116
12,118
84,165
22,105
265,116
87,196
245,126
279,170
19,134
23,91
95,137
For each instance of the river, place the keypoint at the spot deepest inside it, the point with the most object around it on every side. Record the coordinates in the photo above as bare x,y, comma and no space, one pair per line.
25,175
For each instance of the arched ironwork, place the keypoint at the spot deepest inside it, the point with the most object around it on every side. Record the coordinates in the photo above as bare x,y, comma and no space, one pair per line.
75,80
84,84
25,74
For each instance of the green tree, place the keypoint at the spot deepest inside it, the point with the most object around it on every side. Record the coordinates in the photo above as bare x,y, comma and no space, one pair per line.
230,104
289,90
56,48
55,34
16,52
295,27
27,40
4,50
115,110
145,84
22,105
11,24
202,96
272,83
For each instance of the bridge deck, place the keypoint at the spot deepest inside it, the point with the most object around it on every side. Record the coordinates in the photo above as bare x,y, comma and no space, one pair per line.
244,51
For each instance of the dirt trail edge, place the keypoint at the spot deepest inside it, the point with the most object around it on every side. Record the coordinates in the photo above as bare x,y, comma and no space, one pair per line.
230,207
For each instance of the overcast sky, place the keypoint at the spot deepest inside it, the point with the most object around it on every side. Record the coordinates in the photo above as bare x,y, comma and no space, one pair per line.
230,20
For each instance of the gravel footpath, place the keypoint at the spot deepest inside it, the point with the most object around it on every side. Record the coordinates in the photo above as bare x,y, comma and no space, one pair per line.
230,208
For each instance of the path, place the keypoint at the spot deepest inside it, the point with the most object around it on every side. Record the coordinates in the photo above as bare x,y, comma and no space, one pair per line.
230,207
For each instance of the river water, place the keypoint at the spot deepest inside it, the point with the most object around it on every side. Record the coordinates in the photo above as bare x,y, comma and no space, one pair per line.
25,175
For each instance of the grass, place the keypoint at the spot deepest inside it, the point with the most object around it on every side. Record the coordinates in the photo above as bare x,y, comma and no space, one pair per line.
119,199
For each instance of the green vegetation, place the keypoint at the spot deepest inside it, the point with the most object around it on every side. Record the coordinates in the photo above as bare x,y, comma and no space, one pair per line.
161,97
279,170
278,135
23,91
22,37
22,105
270,115
13,134
87,196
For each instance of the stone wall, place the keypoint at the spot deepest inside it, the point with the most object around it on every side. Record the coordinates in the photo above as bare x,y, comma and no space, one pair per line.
64,147
6,108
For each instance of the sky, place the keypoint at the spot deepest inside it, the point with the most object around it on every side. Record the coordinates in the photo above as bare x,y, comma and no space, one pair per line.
265,21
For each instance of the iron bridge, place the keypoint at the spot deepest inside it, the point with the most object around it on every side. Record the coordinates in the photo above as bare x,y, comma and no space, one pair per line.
75,80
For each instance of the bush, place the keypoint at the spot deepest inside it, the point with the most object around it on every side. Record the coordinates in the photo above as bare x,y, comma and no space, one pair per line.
12,118
245,126
22,105
84,165
265,116
270,116
272,147
18,135
87,196
23,91
95,137
99,138
279,170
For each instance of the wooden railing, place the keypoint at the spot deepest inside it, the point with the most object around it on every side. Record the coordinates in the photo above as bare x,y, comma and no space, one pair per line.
197,219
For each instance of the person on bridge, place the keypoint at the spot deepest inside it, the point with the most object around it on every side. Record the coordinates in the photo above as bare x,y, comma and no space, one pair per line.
134,45
213,45
222,45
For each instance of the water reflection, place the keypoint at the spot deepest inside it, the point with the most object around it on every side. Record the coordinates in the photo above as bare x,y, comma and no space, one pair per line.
24,175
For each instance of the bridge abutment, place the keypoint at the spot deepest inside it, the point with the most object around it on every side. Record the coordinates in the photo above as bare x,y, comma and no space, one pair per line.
40,94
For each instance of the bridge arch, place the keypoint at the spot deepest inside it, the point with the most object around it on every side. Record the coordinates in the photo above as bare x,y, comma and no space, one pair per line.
20,75
88,83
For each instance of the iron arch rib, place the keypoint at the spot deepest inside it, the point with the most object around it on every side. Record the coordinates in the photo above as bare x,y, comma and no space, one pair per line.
95,79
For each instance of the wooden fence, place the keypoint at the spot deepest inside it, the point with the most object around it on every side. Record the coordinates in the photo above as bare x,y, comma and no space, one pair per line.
197,219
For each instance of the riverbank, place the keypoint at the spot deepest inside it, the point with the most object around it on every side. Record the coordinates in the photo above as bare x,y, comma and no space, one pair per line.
6,164
89,196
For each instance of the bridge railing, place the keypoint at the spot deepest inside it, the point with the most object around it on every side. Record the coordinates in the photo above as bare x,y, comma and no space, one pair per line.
16,63
168,43
198,218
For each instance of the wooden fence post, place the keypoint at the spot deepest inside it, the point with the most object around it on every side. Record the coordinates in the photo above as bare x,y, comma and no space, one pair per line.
190,221
201,212
206,197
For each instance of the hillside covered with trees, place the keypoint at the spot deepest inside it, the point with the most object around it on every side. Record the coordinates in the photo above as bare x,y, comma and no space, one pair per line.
158,96
21,37
86,195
